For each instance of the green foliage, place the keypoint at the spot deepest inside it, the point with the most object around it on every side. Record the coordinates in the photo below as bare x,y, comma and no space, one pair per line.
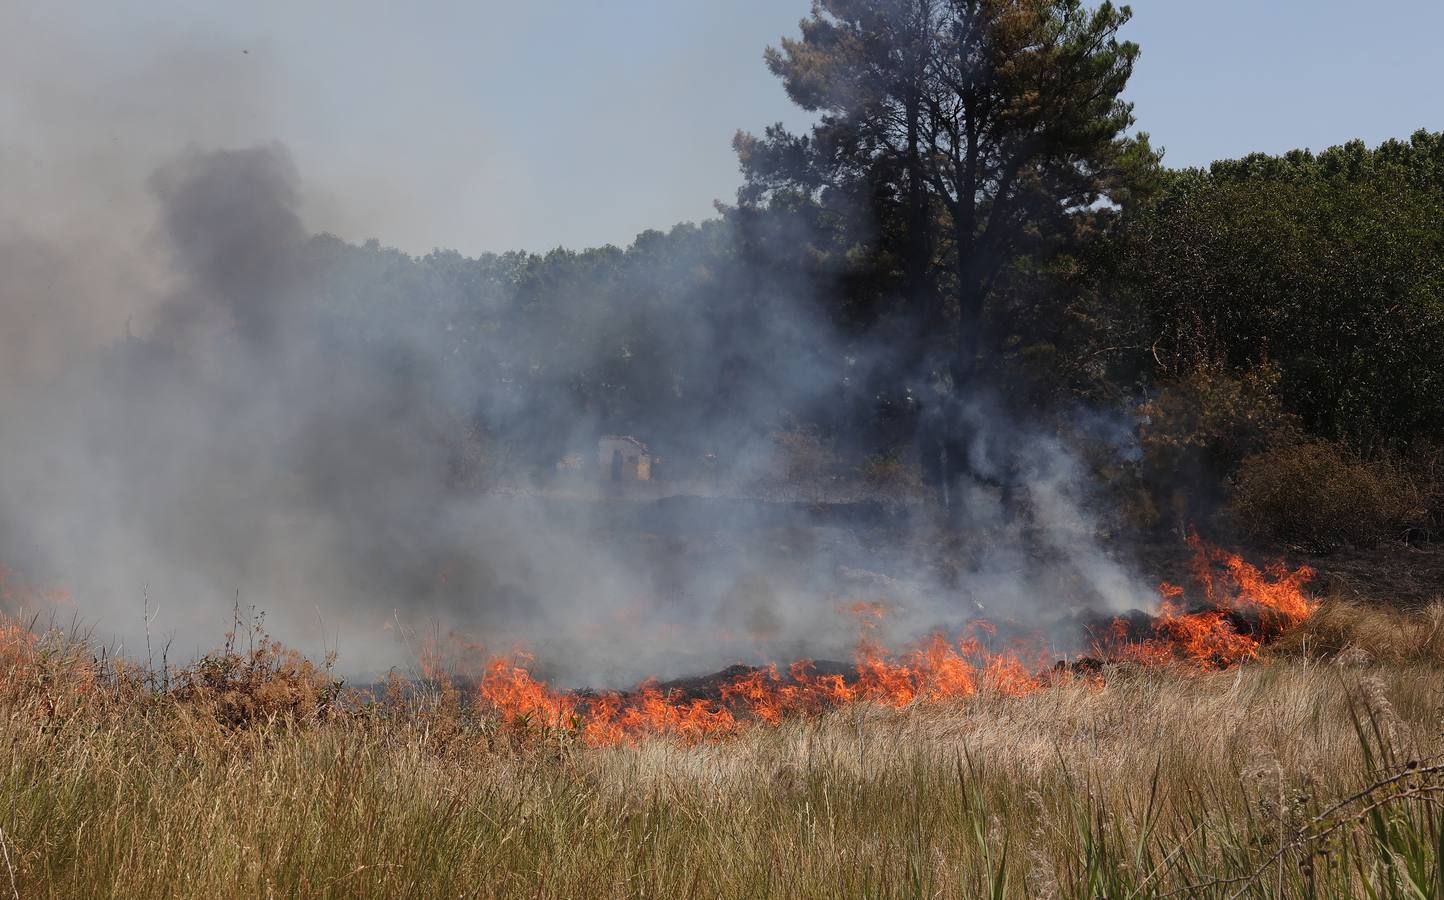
802,453
1257,301
1331,266
1192,433
1059,334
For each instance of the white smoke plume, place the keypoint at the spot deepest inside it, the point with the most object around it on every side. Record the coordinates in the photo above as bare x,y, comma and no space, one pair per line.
203,402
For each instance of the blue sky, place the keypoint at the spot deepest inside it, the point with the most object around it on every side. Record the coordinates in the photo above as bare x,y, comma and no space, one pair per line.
490,126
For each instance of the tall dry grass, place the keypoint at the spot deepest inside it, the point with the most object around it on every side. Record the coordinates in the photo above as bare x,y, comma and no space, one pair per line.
1314,773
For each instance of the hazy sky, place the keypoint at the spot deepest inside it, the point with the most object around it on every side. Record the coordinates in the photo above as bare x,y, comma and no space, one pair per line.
490,126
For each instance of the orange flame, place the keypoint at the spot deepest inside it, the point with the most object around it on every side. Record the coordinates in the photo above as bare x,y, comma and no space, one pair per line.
1242,607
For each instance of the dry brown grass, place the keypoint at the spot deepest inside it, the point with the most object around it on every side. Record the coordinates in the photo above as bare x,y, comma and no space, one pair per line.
1156,782
1351,631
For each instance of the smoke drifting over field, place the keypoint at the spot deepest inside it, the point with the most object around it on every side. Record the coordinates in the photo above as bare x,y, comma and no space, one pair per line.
204,402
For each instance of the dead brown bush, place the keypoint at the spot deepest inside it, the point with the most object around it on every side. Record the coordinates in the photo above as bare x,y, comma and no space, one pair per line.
1318,497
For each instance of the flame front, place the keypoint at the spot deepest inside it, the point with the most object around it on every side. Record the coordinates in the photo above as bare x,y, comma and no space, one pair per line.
1243,607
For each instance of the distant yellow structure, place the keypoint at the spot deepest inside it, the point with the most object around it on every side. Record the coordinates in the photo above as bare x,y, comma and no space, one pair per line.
623,458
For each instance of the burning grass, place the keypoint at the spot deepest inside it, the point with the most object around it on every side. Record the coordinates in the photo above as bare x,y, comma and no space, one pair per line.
1312,768
1235,610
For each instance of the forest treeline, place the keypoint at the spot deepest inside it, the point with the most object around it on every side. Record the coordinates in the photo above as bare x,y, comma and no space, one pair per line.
975,214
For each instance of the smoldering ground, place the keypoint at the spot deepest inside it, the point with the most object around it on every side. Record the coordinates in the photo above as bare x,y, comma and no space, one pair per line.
360,447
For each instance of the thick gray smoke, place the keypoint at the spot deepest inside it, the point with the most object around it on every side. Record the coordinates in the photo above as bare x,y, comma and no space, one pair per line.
360,461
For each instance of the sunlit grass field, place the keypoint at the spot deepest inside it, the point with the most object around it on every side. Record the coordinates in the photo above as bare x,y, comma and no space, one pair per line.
1316,771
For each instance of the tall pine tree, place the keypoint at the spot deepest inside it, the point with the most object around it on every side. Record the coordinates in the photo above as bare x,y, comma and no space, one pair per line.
990,123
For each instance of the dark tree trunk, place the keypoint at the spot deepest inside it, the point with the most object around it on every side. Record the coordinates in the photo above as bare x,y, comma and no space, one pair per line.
917,257
956,474
929,322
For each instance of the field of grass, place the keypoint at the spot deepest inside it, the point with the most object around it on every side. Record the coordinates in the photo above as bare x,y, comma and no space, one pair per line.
1317,771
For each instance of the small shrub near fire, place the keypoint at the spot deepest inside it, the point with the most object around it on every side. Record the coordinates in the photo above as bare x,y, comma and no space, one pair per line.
266,683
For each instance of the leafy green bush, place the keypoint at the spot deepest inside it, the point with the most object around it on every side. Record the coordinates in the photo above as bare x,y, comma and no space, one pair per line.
1214,418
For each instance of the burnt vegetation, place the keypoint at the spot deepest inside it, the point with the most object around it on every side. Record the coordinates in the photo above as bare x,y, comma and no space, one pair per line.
962,359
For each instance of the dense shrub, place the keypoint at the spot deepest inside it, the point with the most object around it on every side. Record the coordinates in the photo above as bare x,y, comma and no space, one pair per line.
1192,432
1426,469
1319,497
1215,418
801,454
893,475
